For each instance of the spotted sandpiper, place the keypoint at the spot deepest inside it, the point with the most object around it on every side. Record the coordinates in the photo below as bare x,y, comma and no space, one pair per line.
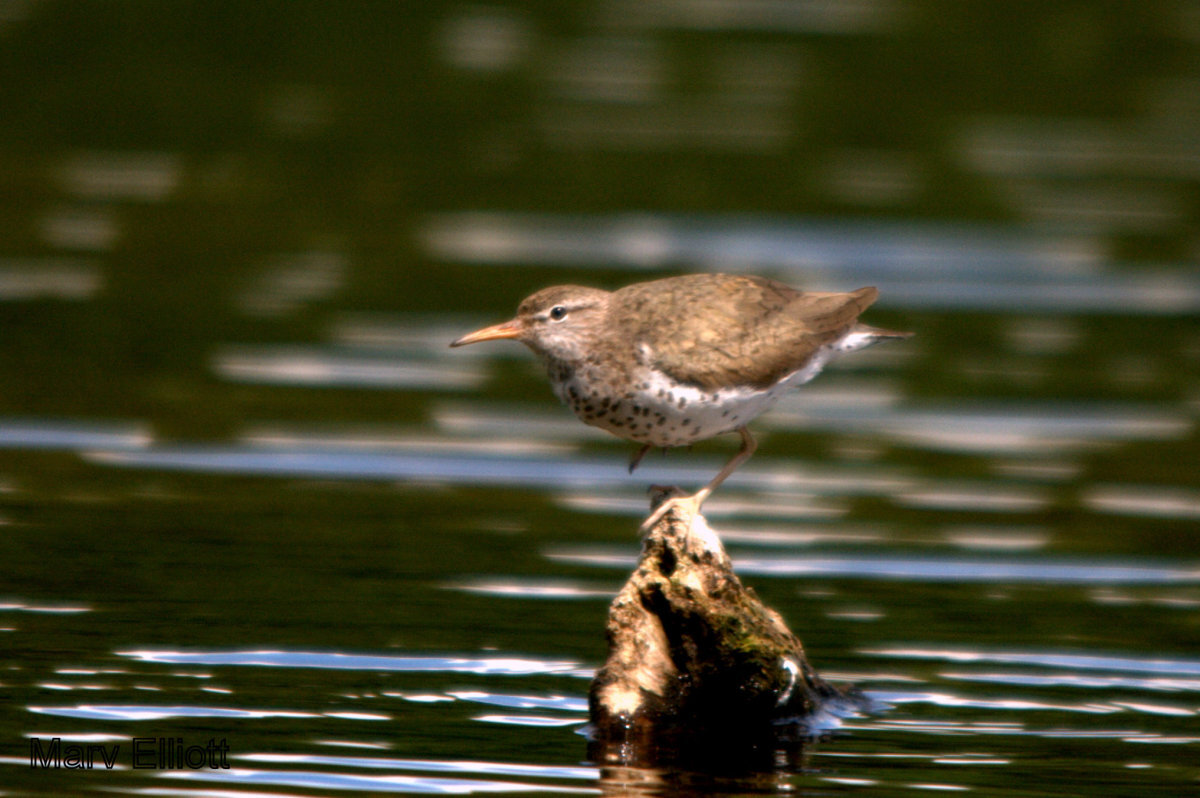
678,360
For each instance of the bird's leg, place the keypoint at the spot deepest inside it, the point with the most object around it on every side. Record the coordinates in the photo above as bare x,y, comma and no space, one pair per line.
691,504
637,458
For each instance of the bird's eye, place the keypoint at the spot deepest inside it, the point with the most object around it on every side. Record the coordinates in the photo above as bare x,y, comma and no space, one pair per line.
558,313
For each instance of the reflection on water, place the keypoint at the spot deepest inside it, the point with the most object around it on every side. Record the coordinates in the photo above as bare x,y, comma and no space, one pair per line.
10,606
348,780
913,267
527,588
1073,662
1021,429
72,435
301,367
44,278
303,659
989,573
138,712
116,175
496,768
871,252
928,568
1147,501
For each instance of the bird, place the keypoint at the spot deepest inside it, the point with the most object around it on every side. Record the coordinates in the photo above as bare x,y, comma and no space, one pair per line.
673,361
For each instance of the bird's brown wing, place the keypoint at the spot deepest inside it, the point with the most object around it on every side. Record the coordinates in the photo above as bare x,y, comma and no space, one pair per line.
720,330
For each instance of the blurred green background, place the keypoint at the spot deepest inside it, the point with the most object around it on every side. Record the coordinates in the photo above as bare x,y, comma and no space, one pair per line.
204,172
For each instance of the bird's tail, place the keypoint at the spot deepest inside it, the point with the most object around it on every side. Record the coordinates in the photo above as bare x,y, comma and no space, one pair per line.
863,335
879,334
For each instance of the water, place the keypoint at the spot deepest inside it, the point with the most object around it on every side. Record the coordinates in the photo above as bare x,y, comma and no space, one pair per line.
255,512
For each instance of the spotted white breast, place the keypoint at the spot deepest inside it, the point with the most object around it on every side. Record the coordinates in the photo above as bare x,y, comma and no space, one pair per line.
664,412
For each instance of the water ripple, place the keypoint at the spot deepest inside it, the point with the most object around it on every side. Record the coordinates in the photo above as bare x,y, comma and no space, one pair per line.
943,569
484,666
52,609
527,588
945,699
432,766
914,266
566,703
17,433
326,368
490,469
925,568
1082,662
977,729
323,780
49,277
529,720
1083,681
1035,429
141,713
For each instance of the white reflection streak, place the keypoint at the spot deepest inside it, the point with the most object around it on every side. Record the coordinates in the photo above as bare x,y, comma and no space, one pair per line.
763,505
552,701
997,539
1145,500
976,729
115,712
978,498
784,489
55,610
173,792
39,434
435,766
96,737
870,250
296,366
350,662
328,780
1157,709
525,589
1022,429
941,569
57,278
801,536
356,715
1012,704
79,229
383,439
350,744
938,787
528,720
1084,681
922,569
146,176
484,39
418,698
1175,667
1018,272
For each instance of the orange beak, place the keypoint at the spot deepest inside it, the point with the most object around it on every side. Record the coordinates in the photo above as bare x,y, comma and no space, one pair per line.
509,329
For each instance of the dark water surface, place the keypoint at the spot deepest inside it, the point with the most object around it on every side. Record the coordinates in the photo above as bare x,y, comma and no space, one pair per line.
255,512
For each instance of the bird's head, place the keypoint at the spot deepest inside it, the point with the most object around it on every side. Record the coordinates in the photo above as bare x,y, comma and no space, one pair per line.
558,323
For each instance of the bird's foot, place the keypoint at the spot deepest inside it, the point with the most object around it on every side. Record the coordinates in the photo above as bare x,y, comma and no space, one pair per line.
637,457
674,500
